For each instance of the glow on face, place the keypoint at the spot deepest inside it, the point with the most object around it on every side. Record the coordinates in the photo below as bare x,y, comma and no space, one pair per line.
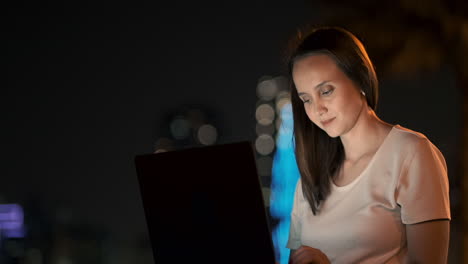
331,100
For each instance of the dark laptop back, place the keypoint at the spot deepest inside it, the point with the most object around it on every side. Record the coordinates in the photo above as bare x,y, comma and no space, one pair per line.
205,205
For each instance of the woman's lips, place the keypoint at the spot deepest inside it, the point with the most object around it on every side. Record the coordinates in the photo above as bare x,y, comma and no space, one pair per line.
327,122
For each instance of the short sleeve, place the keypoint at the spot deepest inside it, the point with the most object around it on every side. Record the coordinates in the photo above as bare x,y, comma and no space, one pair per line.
294,241
423,186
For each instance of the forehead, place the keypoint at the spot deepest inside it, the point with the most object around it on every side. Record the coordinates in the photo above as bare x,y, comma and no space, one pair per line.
315,65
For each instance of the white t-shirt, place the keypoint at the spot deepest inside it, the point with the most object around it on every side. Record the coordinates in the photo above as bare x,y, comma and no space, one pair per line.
364,222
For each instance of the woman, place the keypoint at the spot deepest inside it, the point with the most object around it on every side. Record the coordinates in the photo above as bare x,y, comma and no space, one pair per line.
369,192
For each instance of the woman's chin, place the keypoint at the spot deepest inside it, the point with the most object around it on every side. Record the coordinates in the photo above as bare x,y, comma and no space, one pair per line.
333,133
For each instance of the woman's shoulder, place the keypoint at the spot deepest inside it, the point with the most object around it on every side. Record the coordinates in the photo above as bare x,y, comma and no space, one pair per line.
408,137
410,140
408,133
412,148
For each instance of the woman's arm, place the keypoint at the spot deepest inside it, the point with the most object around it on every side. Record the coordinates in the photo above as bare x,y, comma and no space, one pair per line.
428,242
291,253
308,255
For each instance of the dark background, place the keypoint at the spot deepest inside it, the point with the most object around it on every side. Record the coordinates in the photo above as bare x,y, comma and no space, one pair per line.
89,86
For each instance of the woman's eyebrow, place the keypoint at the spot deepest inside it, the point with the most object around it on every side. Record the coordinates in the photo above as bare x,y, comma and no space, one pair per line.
316,87
321,84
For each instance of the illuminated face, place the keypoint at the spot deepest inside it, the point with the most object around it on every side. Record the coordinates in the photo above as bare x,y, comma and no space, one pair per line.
331,100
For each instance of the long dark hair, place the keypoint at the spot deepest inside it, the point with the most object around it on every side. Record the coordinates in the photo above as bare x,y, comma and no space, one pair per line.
318,155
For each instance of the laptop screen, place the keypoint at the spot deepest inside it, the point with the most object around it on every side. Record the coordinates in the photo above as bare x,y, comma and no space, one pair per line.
205,205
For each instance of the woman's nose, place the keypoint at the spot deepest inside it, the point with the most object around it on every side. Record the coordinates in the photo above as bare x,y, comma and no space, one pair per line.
320,108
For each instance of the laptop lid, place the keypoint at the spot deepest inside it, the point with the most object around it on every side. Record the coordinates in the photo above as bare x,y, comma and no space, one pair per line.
205,205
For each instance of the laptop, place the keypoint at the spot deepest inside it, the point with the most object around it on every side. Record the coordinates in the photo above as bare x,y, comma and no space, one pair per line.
205,205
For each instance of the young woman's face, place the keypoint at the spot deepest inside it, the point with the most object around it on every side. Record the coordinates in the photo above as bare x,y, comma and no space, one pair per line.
331,100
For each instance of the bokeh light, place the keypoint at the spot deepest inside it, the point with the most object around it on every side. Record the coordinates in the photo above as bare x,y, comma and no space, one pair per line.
265,144
207,134
180,127
11,221
282,99
265,114
285,175
163,144
278,123
267,89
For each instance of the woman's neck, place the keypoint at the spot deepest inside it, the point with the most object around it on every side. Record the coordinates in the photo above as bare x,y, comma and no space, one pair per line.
365,137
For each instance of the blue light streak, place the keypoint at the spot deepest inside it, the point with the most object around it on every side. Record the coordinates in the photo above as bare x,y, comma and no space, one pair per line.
284,179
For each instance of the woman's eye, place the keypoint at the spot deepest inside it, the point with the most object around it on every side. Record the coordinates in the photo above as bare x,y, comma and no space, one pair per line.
327,92
305,101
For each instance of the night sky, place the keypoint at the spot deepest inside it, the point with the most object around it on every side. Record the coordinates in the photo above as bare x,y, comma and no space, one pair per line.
88,88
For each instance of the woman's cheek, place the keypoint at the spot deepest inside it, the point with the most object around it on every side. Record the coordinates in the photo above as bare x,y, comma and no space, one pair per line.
313,118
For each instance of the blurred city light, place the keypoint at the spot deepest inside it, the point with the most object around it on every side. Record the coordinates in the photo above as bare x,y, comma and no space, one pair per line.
207,134
187,127
267,89
285,175
11,221
275,160
264,144
265,114
282,98
163,144
180,128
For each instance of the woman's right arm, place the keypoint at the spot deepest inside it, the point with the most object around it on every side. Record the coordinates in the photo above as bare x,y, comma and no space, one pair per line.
291,252
308,255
